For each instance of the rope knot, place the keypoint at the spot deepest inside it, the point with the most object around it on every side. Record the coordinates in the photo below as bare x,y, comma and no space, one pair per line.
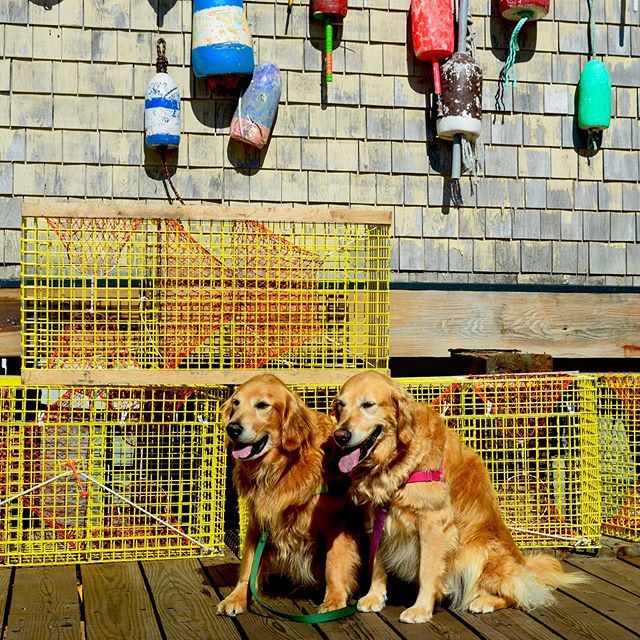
161,61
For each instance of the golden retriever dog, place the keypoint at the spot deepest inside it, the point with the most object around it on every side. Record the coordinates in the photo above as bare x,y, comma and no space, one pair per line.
447,535
284,454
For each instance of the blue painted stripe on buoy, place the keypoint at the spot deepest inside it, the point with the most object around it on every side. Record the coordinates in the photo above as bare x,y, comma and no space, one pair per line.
162,140
223,58
153,103
200,5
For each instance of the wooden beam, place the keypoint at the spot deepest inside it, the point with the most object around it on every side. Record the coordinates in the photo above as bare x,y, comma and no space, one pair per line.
566,325
186,377
429,323
212,211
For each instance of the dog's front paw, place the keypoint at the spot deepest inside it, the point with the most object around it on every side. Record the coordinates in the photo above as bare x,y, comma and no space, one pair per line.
232,606
331,604
372,602
416,614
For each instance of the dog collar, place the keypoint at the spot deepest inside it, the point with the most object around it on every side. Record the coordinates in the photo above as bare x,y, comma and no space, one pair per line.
430,475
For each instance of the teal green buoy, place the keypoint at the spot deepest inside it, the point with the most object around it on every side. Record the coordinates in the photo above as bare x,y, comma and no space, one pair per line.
594,97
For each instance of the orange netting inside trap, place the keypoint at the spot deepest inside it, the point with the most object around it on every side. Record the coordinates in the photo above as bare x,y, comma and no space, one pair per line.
94,245
268,294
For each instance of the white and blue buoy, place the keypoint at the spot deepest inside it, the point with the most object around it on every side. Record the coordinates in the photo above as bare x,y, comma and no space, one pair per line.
162,114
162,107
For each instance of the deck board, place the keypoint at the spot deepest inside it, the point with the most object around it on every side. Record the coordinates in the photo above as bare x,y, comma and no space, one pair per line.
610,570
609,600
116,603
45,605
176,600
186,602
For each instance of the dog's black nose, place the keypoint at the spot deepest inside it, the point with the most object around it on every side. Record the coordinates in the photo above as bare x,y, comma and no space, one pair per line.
342,437
234,430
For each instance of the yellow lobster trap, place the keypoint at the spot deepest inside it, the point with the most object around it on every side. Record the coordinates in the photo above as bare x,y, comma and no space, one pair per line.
224,291
538,436
619,423
92,474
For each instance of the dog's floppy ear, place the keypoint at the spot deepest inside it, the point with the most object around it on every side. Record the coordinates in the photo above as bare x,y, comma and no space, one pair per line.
297,423
226,409
405,414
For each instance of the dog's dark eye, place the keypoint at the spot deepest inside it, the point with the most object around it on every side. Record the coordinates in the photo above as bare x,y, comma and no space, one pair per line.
341,404
367,405
262,405
235,402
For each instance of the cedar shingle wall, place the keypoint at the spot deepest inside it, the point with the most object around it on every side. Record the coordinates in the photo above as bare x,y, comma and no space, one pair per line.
73,77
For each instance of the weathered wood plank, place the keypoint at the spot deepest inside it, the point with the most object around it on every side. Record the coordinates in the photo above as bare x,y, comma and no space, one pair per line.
5,585
255,624
565,325
611,570
45,605
573,620
116,603
429,323
186,602
443,625
507,624
210,211
609,600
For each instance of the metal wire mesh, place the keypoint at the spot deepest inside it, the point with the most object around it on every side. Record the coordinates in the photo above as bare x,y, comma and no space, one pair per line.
115,473
103,293
619,424
538,437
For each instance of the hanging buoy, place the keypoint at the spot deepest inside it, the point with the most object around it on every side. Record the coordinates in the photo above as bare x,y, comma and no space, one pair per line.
432,30
162,112
329,11
220,39
594,90
461,104
162,106
520,11
257,107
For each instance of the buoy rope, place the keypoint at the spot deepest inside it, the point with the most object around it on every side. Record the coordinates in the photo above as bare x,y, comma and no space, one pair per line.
161,61
167,177
509,71
593,37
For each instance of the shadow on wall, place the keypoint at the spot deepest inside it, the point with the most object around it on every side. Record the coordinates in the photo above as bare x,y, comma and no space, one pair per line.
161,7
158,171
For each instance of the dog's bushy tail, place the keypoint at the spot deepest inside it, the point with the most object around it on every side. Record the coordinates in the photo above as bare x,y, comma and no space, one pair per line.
533,586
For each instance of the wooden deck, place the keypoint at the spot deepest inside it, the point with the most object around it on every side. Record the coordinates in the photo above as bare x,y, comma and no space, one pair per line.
176,600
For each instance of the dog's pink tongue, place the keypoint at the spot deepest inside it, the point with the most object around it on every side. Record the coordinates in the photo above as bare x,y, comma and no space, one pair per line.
348,462
245,452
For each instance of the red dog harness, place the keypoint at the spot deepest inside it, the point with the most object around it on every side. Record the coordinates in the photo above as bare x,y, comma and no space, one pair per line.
430,475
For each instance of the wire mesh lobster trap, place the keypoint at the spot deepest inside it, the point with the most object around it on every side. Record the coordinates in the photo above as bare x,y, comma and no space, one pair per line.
538,437
213,291
619,424
110,473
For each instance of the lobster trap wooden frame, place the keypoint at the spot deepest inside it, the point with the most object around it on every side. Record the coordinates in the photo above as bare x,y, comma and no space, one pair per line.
92,474
619,425
146,294
538,437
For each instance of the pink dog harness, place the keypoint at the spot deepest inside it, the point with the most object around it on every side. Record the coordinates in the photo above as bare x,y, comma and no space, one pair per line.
430,475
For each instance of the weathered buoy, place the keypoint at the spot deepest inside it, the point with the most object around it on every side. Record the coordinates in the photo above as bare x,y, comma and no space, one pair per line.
460,109
520,11
162,113
594,97
220,39
432,31
329,11
257,107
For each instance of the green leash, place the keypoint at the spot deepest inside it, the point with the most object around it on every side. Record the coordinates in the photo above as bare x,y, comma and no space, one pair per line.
311,618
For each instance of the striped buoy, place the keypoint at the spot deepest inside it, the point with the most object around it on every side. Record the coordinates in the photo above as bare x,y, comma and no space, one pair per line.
220,39
162,106
257,108
162,112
